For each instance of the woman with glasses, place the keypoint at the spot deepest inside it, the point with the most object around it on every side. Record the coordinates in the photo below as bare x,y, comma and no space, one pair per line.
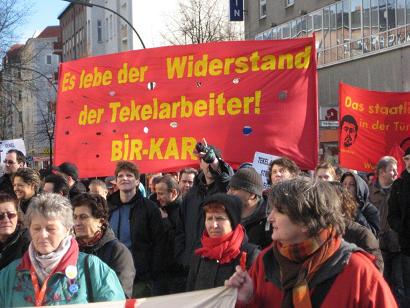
308,263
53,271
13,242
26,184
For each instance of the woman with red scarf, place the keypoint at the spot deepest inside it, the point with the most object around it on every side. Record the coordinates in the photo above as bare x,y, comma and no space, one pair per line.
308,263
224,244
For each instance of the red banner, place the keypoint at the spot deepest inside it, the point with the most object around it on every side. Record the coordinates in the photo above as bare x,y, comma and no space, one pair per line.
372,124
151,106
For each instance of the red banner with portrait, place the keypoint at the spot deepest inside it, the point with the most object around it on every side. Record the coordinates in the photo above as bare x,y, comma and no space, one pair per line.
152,106
372,124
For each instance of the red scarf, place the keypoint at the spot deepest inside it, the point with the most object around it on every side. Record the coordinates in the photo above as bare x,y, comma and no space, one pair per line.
299,262
90,242
224,248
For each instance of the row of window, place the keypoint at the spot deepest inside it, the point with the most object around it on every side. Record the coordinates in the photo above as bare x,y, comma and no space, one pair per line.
262,7
350,28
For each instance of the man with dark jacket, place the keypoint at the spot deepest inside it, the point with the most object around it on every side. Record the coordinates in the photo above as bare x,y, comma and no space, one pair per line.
399,219
172,279
247,184
386,170
213,177
136,222
14,160
70,172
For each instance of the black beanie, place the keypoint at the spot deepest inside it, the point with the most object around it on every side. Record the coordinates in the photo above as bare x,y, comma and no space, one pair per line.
232,204
247,179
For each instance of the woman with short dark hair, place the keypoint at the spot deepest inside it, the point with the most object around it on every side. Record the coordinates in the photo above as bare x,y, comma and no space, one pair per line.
94,236
26,184
308,263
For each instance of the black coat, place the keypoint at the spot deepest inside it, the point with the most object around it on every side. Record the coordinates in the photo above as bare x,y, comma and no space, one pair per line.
76,189
207,273
256,226
399,210
148,238
117,256
191,221
14,248
172,268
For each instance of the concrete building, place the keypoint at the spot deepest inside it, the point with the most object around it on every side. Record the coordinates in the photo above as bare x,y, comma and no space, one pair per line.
91,31
28,94
365,43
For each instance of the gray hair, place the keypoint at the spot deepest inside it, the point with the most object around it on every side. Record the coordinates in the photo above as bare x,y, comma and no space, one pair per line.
384,162
52,206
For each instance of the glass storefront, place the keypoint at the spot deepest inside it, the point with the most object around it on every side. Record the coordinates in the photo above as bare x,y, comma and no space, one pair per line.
350,28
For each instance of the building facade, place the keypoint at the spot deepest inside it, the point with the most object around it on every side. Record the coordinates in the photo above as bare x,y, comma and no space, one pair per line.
365,43
91,31
28,89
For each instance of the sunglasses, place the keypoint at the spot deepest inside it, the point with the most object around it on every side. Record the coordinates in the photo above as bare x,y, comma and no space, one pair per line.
9,215
9,162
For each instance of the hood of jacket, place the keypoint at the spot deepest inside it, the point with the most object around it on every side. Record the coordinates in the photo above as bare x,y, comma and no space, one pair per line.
362,189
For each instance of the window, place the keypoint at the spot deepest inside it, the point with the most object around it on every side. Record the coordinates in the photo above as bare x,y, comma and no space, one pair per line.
99,31
289,3
262,9
48,59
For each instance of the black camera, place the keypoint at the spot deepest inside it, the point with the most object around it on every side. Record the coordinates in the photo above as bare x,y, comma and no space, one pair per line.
209,153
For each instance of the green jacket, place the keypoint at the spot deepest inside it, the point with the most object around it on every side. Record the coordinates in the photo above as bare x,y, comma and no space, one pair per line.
16,287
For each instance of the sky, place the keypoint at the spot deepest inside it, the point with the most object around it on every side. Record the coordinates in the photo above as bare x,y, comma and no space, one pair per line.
149,23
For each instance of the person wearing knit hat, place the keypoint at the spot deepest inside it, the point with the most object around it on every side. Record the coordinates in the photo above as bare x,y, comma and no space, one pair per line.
224,244
247,185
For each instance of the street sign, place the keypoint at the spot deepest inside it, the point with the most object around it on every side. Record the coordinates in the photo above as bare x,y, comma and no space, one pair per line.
236,10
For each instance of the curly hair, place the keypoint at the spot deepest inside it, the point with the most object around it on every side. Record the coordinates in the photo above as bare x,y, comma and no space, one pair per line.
128,166
96,203
313,204
283,162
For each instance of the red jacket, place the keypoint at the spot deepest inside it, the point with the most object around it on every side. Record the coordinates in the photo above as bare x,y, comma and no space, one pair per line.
358,282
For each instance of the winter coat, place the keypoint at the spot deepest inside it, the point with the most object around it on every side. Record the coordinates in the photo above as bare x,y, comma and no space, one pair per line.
357,282
148,238
367,213
23,204
362,237
191,222
399,210
14,247
117,256
257,228
389,240
172,268
6,185
16,289
205,273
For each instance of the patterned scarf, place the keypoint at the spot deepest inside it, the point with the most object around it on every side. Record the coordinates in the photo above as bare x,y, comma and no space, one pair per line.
44,264
299,263
224,248
90,242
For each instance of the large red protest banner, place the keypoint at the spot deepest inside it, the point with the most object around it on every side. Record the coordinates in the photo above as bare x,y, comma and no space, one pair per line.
151,106
372,124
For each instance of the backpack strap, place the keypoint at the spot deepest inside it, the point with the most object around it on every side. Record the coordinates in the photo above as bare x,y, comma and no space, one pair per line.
321,290
90,295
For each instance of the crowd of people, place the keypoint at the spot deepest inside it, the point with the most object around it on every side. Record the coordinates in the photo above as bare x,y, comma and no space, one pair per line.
324,238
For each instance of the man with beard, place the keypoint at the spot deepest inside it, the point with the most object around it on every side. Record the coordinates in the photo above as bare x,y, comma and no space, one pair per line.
348,130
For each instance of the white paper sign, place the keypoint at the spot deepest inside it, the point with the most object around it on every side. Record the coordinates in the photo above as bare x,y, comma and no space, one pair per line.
261,163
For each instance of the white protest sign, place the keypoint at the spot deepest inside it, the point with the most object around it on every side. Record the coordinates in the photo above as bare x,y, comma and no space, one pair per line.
261,163
6,145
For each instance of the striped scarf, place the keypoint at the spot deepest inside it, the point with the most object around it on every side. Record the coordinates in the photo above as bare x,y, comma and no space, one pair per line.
299,262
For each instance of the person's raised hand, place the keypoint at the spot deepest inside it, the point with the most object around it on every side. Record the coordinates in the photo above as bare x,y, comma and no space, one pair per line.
243,282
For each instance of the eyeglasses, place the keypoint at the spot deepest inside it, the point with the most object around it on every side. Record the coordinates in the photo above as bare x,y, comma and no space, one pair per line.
9,162
9,215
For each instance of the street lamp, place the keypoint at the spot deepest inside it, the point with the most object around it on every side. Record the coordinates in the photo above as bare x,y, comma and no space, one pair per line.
108,9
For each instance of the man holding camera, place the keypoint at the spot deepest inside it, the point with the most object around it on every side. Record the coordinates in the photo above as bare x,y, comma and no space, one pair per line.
213,178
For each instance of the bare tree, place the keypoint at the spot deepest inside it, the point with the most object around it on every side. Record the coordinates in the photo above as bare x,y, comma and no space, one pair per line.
13,14
199,21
